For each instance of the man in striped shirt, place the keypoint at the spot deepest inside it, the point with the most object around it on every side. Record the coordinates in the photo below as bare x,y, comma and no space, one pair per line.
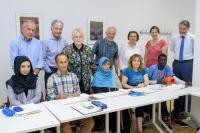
62,85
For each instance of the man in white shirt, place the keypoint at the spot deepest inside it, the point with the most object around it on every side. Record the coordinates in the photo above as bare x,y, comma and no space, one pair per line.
182,46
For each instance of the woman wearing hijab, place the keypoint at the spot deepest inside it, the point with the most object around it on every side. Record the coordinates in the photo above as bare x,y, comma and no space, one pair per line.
23,87
104,78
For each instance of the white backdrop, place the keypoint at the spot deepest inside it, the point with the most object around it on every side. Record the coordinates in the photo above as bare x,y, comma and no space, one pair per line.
125,15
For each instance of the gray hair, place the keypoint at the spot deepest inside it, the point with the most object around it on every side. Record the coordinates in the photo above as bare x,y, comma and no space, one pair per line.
56,21
27,20
185,23
111,27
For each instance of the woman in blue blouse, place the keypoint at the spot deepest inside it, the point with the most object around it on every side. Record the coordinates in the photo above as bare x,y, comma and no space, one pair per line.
136,76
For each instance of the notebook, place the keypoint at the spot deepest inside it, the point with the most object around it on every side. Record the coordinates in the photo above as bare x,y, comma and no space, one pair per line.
86,108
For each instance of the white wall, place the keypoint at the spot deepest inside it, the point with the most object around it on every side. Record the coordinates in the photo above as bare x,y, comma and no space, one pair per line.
124,14
196,65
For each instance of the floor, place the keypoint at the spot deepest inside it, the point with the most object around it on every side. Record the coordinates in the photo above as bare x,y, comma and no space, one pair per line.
176,129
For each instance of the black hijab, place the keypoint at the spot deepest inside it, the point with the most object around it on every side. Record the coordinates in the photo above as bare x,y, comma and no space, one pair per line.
22,83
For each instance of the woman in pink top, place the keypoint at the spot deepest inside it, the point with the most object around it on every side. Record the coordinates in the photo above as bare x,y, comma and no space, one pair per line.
154,47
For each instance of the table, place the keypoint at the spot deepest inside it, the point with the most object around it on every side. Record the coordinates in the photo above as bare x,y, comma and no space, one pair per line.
29,123
64,113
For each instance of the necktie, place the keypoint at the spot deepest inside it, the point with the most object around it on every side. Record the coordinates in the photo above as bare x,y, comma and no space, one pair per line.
181,49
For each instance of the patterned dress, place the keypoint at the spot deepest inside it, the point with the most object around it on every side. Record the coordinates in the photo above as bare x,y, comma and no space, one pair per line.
81,63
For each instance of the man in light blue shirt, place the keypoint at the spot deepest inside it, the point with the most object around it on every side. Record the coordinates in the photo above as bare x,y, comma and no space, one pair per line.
27,45
183,48
51,47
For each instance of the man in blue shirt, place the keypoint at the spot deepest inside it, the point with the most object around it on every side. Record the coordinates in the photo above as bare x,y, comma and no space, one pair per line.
52,46
161,70
158,73
26,44
107,47
183,48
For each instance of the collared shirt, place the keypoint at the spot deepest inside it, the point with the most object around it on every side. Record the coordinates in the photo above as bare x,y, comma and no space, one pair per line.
62,84
102,48
188,51
32,49
51,47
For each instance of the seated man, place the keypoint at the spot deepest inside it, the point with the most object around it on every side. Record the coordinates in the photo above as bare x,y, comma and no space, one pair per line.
158,73
64,84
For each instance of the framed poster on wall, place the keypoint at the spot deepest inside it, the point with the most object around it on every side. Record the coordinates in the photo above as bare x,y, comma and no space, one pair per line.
95,30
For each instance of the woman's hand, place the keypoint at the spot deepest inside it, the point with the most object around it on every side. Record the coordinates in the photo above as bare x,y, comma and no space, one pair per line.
141,85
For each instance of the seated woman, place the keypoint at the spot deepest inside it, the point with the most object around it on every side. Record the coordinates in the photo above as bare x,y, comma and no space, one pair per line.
23,87
136,76
104,79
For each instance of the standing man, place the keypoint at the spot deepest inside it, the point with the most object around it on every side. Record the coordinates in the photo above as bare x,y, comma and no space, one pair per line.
183,48
62,85
107,47
27,45
51,47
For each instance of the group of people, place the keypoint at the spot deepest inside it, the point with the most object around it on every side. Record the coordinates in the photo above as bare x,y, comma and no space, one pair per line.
71,69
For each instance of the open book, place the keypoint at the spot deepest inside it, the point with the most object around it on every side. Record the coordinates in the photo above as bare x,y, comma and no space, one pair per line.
86,108
28,109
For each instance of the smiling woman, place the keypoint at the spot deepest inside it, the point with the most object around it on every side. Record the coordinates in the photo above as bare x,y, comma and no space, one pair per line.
80,60
23,87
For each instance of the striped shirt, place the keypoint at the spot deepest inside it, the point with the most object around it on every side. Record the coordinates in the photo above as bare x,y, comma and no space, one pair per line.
62,84
104,49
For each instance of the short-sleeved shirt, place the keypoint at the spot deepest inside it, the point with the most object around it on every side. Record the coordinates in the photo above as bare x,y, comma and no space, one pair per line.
103,49
155,74
134,78
126,52
153,52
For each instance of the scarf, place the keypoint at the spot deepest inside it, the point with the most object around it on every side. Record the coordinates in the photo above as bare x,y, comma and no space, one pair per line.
102,77
22,83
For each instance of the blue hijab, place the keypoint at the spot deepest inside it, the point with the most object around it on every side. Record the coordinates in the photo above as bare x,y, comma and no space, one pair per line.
102,77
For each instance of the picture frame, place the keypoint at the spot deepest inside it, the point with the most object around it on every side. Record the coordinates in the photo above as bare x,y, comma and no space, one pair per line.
20,17
96,29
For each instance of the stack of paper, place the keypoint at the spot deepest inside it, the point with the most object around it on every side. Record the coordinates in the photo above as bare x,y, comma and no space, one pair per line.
114,93
174,87
72,100
86,108
28,109
98,96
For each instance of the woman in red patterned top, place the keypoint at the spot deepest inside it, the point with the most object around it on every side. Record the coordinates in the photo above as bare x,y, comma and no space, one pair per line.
154,47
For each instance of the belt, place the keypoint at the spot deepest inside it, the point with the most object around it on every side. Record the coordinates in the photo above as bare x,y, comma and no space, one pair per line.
183,61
